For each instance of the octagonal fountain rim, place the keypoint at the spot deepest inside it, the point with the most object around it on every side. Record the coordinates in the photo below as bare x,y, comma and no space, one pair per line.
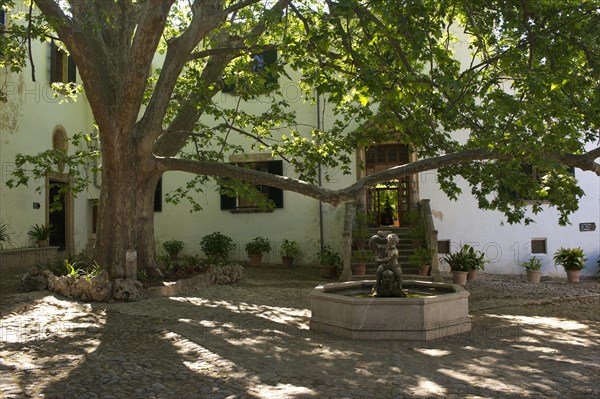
333,291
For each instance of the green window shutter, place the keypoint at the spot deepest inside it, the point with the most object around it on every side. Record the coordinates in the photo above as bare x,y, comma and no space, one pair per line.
72,70
53,62
275,194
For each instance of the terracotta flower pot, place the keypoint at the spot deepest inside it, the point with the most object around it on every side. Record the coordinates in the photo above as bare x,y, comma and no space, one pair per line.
472,275
573,276
255,260
459,278
43,243
359,269
534,276
423,270
328,271
287,261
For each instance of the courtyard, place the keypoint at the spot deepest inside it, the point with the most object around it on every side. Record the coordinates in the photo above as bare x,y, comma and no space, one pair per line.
251,340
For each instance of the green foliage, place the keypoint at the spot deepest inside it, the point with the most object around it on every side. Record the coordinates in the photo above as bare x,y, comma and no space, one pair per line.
289,248
173,247
362,256
41,232
529,90
75,266
77,165
417,228
142,275
465,259
570,258
167,264
532,264
421,256
258,246
216,247
329,257
361,223
4,236
192,261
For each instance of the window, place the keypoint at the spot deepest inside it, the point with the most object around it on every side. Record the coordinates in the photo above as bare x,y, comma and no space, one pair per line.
274,194
262,64
2,24
444,247
62,66
538,246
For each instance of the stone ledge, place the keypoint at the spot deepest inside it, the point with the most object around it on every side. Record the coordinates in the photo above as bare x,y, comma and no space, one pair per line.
19,260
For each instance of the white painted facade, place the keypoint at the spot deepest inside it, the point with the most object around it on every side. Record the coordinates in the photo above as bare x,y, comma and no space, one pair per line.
31,115
28,121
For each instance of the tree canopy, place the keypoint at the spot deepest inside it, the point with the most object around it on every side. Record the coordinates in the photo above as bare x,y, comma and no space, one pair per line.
504,93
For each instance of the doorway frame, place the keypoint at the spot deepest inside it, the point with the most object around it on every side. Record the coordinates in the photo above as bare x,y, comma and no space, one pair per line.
69,208
413,181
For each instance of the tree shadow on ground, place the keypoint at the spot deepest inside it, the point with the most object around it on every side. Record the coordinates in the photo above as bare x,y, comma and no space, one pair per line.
235,340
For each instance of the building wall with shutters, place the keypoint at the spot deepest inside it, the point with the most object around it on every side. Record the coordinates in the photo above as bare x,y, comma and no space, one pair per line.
28,121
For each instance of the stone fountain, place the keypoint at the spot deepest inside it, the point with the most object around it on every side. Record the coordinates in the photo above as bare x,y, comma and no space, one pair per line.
389,308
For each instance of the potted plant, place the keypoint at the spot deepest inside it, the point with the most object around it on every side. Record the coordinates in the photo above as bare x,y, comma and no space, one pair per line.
256,249
173,247
41,234
3,234
462,261
476,261
417,230
360,259
216,247
289,250
572,260
421,258
360,233
329,261
533,266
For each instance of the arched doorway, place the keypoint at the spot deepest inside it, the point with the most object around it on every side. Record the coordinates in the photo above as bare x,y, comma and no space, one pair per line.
59,199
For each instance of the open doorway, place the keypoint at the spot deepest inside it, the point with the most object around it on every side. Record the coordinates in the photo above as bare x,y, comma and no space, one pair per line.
388,203
59,213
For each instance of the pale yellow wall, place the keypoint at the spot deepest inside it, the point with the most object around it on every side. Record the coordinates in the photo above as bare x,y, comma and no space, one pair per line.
27,122
298,220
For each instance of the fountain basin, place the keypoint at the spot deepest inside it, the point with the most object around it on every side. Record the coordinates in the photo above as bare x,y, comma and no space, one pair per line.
342,309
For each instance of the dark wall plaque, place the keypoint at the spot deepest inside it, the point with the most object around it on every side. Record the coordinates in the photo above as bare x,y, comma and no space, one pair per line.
587,226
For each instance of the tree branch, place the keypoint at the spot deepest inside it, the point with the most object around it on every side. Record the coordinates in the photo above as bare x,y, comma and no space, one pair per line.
352,192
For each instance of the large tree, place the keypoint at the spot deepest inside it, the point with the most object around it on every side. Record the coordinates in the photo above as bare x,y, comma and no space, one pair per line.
519,78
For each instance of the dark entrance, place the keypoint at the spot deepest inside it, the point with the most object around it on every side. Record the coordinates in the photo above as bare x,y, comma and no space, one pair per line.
57,206
388,204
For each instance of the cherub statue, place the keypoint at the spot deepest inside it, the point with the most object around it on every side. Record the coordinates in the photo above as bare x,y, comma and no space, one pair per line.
389,272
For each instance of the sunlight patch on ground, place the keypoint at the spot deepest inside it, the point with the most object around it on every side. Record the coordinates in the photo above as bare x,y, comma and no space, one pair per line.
283,391
535,329
434,352
427,388
201,360
51,318
531,348
287,316
473,376
49,334
552,322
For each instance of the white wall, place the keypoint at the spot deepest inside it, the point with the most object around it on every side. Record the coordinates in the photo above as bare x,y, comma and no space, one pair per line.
506,245
27,122
298,220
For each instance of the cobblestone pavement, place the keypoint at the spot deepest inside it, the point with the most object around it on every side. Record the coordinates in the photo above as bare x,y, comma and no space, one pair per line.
251,340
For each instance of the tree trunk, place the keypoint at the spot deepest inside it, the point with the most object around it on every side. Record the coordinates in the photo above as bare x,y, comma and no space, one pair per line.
125,236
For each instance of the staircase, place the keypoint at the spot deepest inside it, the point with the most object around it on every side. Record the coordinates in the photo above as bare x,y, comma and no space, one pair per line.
405,249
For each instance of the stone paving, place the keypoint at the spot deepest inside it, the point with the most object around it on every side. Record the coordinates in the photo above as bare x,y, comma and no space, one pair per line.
251,340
